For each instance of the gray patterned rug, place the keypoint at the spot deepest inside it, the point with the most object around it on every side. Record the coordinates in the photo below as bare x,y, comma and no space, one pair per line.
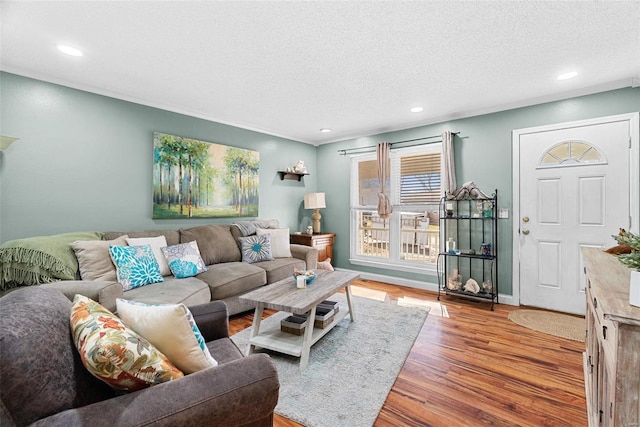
351,369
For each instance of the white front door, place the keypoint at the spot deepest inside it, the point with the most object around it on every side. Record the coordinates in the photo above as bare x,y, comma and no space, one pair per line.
574,191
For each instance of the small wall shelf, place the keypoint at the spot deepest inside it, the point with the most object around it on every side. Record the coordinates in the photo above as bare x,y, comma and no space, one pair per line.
291,175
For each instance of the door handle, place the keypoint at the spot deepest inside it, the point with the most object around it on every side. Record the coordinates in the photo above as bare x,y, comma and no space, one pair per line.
525,219
525,231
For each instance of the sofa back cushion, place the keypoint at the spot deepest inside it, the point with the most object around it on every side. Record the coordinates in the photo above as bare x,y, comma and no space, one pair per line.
216,243
172,236
41,370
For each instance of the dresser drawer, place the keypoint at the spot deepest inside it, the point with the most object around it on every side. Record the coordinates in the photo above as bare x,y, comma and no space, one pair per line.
605,329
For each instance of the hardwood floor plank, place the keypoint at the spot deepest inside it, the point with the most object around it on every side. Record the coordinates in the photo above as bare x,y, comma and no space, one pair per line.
476,368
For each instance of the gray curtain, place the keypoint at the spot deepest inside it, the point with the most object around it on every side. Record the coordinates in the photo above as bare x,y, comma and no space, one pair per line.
448,165
384,204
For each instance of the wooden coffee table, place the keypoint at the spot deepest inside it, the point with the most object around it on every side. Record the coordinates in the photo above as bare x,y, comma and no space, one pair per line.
285,296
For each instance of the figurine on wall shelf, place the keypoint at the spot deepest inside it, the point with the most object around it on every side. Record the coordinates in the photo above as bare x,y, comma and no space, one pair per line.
297,168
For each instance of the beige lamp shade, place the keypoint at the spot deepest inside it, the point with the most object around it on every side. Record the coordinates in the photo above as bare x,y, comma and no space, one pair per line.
314,201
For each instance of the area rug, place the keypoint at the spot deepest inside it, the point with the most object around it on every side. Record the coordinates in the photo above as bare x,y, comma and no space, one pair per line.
351,369
548,322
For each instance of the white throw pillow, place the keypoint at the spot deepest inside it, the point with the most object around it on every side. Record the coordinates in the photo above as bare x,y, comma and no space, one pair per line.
156,243
171,329
279,241
94,260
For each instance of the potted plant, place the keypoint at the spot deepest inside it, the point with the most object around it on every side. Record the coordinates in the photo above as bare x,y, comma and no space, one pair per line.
632,260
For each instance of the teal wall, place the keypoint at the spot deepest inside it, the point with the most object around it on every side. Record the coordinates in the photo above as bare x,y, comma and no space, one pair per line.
483,153
84,162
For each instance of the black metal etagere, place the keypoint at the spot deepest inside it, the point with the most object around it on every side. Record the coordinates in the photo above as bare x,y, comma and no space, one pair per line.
472,223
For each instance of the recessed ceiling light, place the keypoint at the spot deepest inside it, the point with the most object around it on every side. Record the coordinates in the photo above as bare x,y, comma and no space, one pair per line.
416,109
568,75
69,50
325,130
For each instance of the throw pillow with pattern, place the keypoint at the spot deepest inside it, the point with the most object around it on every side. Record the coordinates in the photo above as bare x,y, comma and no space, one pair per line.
184,259
255,248
135,266
114,353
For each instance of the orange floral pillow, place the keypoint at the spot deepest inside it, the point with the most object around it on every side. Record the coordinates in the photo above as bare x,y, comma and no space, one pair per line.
114,353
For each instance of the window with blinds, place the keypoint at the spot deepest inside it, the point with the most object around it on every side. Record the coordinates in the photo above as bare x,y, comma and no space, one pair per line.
420,179
409,239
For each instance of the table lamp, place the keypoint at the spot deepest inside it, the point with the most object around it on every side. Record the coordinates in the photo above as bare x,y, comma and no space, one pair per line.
315,201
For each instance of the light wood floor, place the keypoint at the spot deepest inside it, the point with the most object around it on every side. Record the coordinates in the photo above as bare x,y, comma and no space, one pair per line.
475,367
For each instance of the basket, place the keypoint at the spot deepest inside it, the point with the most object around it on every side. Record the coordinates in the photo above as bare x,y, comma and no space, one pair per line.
294,325
324,316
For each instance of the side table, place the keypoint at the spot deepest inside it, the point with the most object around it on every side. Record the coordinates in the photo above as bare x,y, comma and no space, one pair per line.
323,242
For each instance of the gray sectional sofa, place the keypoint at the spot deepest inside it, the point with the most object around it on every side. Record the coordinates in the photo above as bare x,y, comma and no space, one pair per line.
44,382
226,278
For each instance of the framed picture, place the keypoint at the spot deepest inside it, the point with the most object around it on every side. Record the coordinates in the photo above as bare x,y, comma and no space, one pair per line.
199,179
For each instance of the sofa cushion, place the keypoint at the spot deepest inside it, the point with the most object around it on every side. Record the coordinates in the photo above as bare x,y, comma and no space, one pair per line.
216,243
41,370
172,236
279,241
172,330
156,243
94,260
189,291
114,353
135,265
232,278
255,248
280,268
184,259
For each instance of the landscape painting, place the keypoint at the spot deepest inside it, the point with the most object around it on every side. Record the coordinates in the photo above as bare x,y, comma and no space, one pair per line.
198,179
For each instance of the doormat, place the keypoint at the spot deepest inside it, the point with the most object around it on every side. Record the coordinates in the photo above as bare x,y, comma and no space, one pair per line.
557,324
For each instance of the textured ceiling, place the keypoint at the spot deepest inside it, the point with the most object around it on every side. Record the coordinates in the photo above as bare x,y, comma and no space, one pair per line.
291,68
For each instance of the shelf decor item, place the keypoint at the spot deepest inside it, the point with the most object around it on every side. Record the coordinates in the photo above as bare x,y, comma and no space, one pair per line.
309,275
631,260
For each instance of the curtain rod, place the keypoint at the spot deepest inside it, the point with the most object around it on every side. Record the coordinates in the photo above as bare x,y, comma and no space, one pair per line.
372,148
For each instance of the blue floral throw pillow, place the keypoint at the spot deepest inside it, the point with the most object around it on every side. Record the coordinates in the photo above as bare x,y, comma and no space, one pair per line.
255,248
184,259
135,266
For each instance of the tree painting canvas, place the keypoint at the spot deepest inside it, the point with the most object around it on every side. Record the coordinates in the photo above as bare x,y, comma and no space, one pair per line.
198,179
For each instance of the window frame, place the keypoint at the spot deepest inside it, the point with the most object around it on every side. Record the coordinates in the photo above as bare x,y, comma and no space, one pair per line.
393,262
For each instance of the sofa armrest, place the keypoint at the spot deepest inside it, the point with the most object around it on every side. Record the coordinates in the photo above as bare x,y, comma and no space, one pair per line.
212,319
103,292
306,253
238,393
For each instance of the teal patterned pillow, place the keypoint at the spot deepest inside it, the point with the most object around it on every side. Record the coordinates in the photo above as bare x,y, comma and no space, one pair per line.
135,266
184,259
255,248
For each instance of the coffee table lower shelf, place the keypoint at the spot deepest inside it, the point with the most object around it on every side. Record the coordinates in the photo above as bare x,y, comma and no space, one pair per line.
272,338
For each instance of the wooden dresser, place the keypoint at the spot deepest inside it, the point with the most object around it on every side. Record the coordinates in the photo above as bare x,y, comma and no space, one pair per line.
612,356
323,242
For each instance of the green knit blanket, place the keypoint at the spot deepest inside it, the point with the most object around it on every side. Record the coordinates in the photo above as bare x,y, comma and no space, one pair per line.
41,259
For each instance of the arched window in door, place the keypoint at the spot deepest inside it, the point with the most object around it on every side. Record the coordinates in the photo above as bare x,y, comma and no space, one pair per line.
571,153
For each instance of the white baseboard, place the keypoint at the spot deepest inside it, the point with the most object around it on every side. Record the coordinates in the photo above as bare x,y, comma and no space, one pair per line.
427,286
